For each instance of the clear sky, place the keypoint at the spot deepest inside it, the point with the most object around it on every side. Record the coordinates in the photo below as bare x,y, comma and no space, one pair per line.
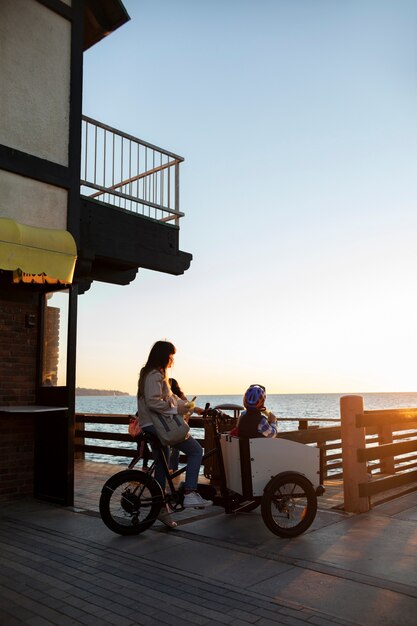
298,123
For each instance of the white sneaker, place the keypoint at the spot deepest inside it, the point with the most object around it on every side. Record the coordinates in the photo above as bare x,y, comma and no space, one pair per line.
193,500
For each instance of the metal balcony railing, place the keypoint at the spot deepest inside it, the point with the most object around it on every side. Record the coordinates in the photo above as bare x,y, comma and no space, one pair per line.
129,173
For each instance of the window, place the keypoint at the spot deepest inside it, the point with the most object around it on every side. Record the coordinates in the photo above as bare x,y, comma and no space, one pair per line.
55,339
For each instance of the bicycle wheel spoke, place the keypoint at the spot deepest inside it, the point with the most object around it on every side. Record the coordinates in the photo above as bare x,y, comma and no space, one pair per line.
130,502
289,505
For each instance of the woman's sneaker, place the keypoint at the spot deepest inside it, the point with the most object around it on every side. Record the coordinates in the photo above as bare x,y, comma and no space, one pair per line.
193,500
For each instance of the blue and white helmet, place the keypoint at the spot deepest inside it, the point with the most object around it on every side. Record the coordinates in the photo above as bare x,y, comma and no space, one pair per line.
255,397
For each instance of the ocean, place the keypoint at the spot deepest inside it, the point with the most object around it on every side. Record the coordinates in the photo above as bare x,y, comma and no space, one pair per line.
295,406
323,406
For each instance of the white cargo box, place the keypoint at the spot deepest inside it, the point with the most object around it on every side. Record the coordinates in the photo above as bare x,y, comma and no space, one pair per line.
266,457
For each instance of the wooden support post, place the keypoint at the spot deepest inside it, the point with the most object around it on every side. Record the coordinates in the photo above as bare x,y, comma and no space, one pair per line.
79,440
353,439
385,436
322,457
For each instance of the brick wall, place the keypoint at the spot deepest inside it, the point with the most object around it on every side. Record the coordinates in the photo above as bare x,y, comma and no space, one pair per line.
16,456
18,346
18,359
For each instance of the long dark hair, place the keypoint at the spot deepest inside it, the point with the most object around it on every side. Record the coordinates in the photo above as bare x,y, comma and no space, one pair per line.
158,359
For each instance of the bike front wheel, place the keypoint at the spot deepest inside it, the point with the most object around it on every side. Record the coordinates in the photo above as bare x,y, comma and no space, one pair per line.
289,504
130,502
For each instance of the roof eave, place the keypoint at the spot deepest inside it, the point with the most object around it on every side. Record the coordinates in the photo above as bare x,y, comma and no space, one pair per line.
102,17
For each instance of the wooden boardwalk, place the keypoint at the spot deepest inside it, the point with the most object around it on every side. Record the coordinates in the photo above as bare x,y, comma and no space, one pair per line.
63,567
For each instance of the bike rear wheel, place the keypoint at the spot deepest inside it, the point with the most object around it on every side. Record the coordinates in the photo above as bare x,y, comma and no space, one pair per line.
289,504
130,502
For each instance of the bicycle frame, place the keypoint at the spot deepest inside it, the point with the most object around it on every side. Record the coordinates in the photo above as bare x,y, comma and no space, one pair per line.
223,500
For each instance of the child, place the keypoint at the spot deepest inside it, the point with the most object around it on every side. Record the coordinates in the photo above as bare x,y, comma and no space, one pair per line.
256,421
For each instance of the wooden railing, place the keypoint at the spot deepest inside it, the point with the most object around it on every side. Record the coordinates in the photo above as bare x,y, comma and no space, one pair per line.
378,454
327,439
388,464
81,434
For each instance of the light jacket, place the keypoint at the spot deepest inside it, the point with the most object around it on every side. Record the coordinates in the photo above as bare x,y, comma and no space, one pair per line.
158,398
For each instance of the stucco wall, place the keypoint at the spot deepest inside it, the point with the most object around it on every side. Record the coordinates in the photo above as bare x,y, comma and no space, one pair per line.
31,202
35,79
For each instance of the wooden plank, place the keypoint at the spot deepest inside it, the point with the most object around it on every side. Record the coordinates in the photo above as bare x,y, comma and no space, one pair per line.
332,446
334,464
333,475
383,413
404,435
387,449
318,436
90,418
97,434
112,418
331,457
406,464
390,416
376,485
80,447
410,457
109,451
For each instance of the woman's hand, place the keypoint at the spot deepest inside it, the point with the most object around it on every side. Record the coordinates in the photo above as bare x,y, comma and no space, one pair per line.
185,407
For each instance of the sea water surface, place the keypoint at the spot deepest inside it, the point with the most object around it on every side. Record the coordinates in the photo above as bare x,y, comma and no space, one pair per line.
295,406
323,406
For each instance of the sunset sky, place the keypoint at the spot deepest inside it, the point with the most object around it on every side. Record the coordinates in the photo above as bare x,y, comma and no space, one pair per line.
297,121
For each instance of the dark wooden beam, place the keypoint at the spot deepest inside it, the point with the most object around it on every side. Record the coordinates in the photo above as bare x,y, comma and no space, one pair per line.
24,164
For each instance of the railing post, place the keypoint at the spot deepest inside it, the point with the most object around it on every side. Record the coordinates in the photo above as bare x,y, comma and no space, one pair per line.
353,439
322,458
177,192
385,436
79,440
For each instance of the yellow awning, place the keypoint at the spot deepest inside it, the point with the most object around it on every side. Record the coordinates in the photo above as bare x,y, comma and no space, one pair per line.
37,251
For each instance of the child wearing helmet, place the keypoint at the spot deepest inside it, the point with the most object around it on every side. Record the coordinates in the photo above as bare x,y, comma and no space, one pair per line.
256,421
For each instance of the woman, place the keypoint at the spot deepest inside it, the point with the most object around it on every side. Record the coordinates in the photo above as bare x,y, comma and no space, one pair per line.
155,396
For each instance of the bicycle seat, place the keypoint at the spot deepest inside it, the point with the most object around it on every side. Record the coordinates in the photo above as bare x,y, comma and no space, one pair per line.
150,438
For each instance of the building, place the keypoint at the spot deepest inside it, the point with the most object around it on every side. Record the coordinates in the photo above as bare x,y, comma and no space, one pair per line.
79,201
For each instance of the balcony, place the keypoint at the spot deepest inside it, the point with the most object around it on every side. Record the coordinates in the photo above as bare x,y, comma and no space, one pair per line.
129,206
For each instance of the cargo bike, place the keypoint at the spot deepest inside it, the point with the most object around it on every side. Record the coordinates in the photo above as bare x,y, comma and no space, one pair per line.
279,475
